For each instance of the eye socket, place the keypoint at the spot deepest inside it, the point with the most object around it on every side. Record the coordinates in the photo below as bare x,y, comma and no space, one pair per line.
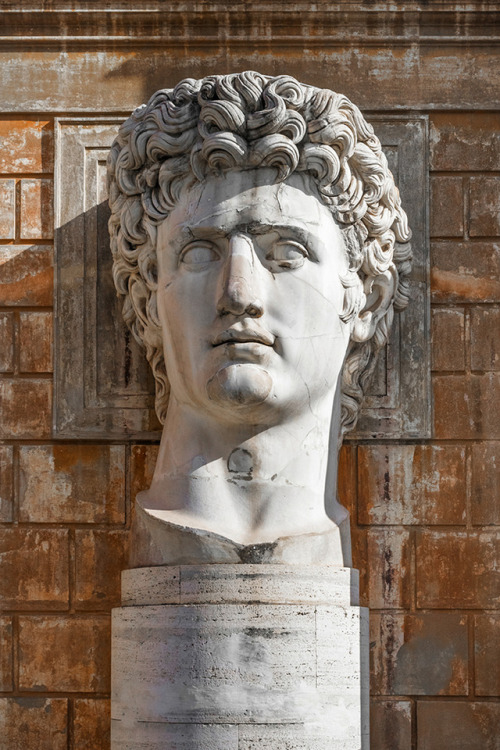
196,255
287,254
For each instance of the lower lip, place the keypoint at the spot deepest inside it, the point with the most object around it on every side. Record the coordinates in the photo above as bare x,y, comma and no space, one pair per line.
245,348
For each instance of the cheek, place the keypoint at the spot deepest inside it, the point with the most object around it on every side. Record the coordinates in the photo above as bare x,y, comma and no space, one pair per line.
308,305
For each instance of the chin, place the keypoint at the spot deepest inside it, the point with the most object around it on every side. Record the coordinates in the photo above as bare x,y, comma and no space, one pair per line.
240,386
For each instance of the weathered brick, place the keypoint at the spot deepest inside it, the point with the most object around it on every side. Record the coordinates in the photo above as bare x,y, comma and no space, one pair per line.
419,654
35,341
6,342
467,406
484,206
26,276
487,653
411,484
458,725
7,209
64,654
91,724
465,272
457,569
72,484
99,560
390,725
485,505
6,483
448,342
26,146
383,557
447,207
143,462
347,478
485,338
37,197
6,674
34,723
35,568
468,141
25,408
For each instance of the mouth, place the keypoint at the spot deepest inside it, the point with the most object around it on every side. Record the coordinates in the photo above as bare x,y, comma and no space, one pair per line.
240,334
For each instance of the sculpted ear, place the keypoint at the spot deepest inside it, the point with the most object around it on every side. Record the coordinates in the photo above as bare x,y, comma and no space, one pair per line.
379,292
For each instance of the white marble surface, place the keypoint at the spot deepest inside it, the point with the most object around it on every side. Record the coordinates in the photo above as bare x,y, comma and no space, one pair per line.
253,228
275,673
237,584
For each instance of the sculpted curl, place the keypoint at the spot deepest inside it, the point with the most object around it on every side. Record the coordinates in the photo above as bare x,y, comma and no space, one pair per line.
243,121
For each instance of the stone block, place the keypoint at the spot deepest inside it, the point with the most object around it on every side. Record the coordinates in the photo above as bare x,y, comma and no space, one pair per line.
6,651
485,338
142,466
26,146
231,656
35,341
72,484
467,407
240,584
411,484
31,723
7,209
37,218
91,724
459,725
289,737
448,341
447,207
26,407
485,505
347,478
388,568
27,275
268,584
64,654
100,557
484,206
465,271
390,725
292,673
160,735
6,483
6,342
487,654
424,654
35,568
458,570
468,141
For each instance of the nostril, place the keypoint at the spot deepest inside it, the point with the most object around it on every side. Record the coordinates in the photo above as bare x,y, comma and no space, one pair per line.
255,309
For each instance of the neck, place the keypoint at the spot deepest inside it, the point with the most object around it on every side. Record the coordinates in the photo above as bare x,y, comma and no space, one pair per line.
249,483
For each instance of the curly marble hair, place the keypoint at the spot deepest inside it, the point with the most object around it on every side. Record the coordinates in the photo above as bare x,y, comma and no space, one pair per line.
243,121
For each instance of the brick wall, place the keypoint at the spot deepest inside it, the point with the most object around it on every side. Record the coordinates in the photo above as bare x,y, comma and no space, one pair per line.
425,516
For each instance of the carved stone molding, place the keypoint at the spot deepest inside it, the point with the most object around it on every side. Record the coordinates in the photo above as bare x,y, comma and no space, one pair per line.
205,23
94,350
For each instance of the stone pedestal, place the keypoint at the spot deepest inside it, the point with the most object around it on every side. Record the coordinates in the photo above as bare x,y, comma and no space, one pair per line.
236,657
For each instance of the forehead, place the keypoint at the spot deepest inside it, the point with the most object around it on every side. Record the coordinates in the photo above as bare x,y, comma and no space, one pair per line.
251,197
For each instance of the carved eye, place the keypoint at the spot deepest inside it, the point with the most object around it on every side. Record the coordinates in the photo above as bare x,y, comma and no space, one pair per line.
287,254
196,255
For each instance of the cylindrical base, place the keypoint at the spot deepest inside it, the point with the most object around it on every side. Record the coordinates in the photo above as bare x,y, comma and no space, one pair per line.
235,657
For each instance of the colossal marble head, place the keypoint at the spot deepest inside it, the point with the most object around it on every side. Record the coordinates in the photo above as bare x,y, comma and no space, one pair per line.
265,200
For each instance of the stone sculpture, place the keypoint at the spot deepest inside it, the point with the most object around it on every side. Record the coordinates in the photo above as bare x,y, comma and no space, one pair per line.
254,228
261,250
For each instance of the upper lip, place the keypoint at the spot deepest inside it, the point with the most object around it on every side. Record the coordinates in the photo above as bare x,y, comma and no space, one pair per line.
243,334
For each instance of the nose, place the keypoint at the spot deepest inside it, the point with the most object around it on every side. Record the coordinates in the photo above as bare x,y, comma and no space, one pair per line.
239,284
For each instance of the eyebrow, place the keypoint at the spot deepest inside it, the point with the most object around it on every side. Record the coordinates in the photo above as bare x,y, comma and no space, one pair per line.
201,231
